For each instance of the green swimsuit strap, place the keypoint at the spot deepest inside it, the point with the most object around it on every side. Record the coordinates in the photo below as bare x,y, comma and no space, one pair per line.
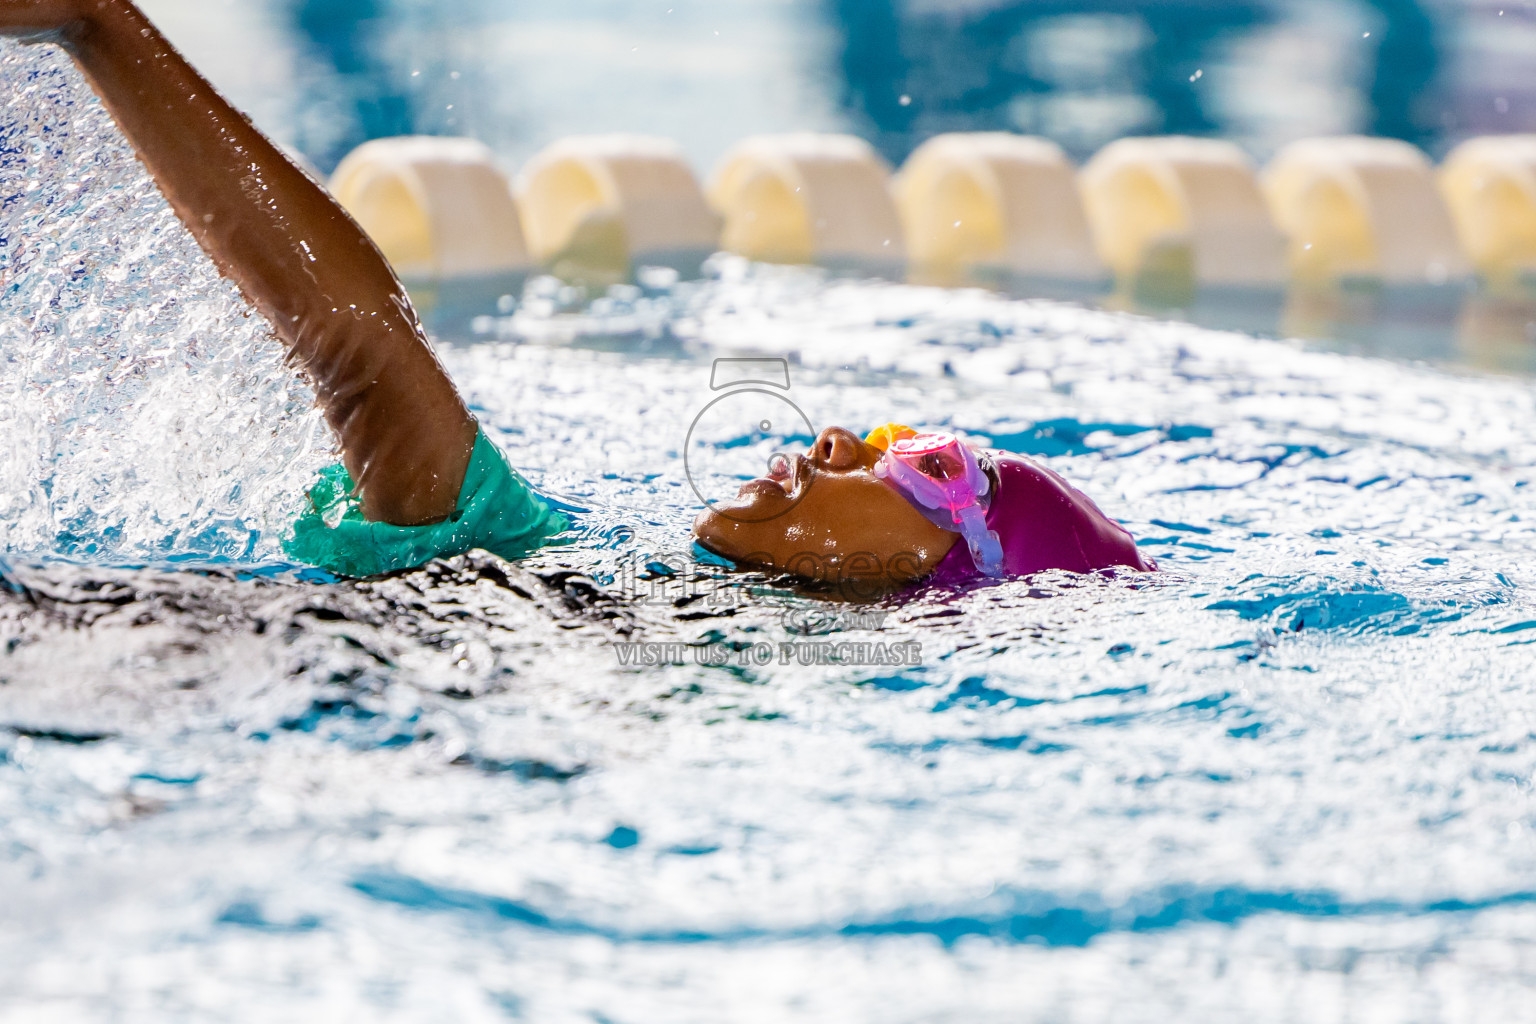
498,511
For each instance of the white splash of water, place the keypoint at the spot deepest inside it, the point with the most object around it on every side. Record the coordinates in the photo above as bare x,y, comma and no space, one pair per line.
145,411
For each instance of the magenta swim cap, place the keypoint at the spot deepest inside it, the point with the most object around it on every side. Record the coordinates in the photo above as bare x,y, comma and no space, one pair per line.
1042,522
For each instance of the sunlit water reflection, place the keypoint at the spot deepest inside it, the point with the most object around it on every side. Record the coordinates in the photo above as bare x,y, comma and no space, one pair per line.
1286,779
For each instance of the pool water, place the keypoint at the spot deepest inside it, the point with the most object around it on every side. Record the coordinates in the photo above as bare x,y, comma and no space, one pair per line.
1286,779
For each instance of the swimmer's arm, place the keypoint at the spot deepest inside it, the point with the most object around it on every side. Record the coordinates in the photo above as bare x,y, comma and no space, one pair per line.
405,434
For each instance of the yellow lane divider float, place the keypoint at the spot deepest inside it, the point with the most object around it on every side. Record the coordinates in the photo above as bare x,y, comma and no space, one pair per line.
806,198
994,201
1161,213
1362,208
1490,186
436,207
596,204
1167,212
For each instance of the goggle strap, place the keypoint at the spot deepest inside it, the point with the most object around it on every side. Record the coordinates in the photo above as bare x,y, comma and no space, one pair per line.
986,547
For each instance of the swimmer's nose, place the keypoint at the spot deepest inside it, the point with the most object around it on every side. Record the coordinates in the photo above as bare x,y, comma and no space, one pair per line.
836,448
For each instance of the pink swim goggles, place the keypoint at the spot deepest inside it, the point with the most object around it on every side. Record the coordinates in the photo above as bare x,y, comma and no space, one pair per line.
943,480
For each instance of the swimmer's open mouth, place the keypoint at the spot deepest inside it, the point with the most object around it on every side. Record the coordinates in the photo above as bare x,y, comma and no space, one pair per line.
788,476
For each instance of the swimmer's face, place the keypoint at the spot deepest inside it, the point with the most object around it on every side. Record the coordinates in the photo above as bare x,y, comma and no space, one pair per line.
825,516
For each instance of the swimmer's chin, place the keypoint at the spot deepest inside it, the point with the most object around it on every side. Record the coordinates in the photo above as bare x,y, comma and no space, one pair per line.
714,532
707,534
709,549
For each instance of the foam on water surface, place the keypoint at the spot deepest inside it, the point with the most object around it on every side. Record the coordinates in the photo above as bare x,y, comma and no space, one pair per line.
1288,779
